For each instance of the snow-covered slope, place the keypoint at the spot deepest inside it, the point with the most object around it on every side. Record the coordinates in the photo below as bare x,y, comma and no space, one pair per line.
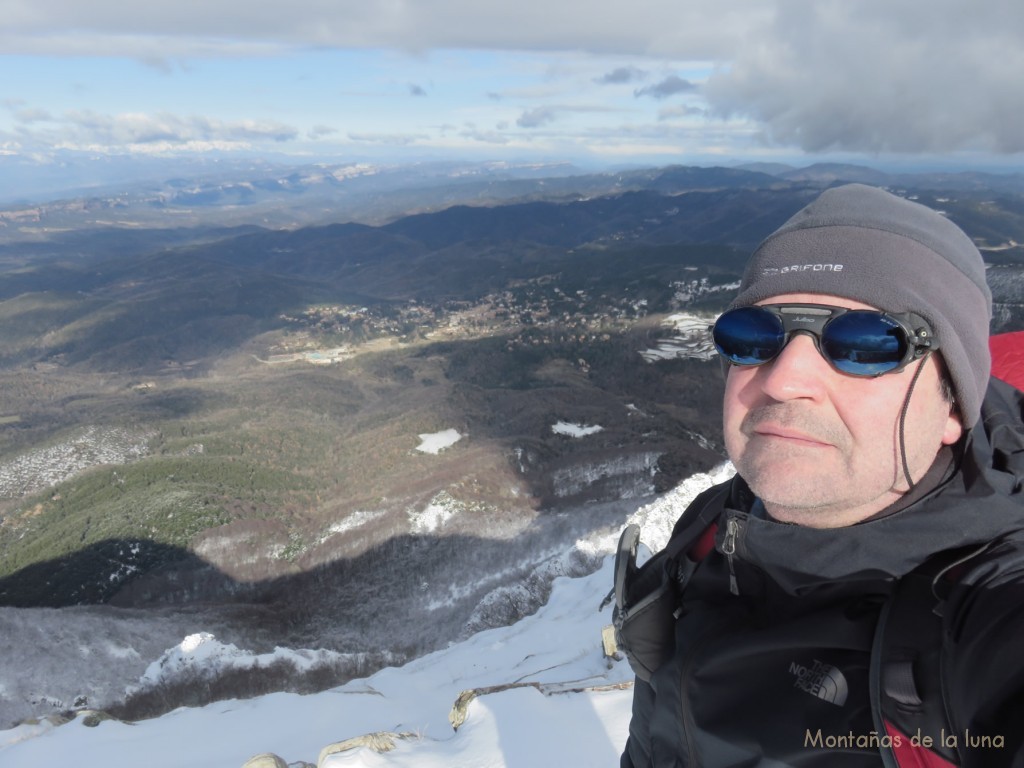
553,699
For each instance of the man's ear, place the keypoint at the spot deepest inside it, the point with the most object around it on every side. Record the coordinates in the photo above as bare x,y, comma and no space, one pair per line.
954,428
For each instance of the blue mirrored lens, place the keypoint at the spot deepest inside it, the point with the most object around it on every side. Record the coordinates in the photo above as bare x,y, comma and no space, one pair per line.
863,343
748,336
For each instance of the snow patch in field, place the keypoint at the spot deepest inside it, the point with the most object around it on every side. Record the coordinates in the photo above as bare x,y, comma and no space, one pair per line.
435,515
437,441
575,430
357,519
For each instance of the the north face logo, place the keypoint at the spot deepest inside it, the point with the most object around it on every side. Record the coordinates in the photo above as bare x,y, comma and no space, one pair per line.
821,680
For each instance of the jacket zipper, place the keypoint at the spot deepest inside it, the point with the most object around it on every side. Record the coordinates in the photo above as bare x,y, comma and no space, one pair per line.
732,529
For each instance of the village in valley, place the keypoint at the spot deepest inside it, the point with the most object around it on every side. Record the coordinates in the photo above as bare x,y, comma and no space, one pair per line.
529,313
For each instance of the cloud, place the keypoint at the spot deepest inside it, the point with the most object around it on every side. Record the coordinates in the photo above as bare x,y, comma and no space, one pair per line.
32,115
909,77
400,139
698,28
159,63
139,131
541,116
153,49
681,110
485,136
670,86
621,76
537,117
165,127
822,75
163,64
319,131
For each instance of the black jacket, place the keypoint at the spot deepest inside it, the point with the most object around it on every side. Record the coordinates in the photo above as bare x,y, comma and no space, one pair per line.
772,644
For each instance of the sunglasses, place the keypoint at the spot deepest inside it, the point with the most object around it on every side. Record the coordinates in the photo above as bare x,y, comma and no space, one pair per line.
857,342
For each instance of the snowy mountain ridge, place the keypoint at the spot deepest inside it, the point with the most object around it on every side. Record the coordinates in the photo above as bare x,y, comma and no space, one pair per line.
537,693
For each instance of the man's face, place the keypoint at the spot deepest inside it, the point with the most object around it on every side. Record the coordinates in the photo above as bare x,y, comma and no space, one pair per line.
821,448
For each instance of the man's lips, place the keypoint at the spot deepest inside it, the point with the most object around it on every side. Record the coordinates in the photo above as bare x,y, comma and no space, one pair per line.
789,434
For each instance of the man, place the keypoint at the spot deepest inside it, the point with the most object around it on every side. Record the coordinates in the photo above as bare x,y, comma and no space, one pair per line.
872,453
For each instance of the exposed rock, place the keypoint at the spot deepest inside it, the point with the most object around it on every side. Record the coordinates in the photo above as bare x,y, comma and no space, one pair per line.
460,709
381,741
93,717
55,720
266,760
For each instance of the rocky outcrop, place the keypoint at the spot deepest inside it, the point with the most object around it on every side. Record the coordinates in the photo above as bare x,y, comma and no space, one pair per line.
381,741
266,760
460,709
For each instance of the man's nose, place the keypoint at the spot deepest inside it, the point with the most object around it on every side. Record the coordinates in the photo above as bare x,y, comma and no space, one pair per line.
799,371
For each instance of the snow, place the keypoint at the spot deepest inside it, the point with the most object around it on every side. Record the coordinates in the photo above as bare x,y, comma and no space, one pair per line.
433,517
559,646
203,651
575,430
437,441
555,700
635,472
357,519
89,447
691,340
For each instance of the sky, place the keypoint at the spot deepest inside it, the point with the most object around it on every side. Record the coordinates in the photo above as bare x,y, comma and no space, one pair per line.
589,81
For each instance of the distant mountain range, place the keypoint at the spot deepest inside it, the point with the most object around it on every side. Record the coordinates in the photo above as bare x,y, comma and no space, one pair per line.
236,192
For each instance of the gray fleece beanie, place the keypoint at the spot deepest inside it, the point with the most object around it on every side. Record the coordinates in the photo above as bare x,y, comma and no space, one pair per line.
867,245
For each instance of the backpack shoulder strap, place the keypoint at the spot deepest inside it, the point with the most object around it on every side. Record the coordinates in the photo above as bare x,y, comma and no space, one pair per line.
646,597
907,686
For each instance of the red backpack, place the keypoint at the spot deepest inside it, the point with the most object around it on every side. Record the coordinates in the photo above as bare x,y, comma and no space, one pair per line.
906,659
